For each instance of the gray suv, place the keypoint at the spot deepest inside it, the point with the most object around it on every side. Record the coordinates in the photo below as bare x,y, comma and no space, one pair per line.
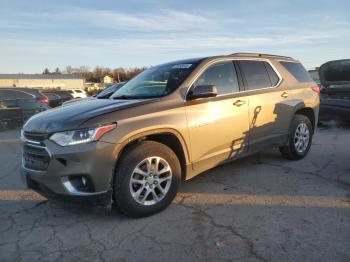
169,124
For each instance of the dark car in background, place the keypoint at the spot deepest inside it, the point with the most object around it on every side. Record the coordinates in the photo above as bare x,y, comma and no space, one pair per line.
41,99
16,106
335,91
104,94
57,97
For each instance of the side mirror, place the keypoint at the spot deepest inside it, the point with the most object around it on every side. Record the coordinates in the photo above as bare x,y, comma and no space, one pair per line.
202,92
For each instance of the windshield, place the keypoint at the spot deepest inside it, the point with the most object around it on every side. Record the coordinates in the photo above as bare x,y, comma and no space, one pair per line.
156,81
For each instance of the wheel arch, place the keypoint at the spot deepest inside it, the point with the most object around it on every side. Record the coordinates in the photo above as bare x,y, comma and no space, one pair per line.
309,113
169,137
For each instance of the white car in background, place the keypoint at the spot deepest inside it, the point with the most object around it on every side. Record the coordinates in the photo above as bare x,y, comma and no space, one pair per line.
77,93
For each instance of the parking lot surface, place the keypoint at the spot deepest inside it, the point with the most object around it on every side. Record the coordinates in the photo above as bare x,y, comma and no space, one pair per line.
261,208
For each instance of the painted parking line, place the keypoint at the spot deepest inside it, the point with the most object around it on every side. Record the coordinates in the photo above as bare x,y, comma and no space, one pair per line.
217,199
265,200
24,195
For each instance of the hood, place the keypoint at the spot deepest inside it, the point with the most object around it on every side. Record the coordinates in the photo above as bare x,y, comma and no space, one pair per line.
72,116
335,73
69,102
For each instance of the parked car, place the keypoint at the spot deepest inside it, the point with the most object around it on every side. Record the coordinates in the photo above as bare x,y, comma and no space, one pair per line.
102,95
57,97
335,92
170,123
77,93
17,106
41,100
54,99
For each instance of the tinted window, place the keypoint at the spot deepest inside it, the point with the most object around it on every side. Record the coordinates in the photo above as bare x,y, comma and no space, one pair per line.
51,96
298,71
222,75
255,74
31,91
11,94
272,74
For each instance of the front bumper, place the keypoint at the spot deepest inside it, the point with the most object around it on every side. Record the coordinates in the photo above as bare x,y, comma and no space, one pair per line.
81,173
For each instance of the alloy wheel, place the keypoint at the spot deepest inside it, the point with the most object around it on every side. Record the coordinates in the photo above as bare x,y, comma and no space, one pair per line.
301,138
150,180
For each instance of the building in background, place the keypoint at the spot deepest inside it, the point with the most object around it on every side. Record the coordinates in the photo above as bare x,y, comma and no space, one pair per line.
108,80
45,81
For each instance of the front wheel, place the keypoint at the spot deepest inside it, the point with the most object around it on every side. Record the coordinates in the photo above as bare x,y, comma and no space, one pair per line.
299,140
147,179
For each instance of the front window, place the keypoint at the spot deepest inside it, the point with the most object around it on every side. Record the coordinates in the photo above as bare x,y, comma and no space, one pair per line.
222,75
156,81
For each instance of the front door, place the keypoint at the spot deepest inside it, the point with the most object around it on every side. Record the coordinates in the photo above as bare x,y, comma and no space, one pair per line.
218,127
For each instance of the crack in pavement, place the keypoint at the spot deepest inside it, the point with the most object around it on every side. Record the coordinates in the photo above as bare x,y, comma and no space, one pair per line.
249,243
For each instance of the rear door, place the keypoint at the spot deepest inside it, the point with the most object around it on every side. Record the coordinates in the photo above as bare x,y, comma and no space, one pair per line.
267,106
218,127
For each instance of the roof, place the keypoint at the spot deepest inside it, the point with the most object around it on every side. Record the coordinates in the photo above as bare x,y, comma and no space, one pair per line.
262,55
39,76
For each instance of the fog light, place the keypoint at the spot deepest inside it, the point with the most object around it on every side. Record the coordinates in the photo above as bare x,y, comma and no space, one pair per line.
78,184
83,180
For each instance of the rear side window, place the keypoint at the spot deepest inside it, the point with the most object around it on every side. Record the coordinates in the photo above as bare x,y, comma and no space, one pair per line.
12,94
222,75
298,71
255,74
51,96
272,74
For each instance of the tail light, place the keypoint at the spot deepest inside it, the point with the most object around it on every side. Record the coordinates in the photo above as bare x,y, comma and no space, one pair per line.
316,89
45,100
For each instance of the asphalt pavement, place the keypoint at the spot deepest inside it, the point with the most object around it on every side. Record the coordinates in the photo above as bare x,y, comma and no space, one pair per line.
261,208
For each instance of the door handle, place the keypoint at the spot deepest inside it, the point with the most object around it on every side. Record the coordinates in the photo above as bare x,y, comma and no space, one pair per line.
284,94
239,103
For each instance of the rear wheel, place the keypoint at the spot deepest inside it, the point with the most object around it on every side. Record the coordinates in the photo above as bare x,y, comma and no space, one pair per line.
147,179
299,140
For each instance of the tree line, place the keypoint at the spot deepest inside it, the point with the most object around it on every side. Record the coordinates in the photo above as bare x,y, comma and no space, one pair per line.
98,73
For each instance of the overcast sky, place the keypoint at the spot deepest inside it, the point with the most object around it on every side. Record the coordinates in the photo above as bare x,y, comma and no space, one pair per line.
36,34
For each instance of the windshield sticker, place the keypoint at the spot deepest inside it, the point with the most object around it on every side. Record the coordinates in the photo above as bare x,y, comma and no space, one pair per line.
182,66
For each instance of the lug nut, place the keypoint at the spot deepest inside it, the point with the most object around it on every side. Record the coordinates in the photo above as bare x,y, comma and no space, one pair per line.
151,186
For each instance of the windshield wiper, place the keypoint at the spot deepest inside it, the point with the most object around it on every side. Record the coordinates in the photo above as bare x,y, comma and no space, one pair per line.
124,97
133,97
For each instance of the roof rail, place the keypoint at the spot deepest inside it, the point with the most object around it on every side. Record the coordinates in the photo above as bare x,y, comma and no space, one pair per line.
262,55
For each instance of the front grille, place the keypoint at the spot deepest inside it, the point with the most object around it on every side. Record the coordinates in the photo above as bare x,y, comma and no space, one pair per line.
35,154
38,137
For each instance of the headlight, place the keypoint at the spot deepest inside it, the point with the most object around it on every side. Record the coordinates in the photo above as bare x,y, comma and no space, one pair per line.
75,137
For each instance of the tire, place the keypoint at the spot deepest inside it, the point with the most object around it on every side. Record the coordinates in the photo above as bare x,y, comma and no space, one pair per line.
140,155
290,151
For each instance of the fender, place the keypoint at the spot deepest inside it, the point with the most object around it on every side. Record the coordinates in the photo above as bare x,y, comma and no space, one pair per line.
133,137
